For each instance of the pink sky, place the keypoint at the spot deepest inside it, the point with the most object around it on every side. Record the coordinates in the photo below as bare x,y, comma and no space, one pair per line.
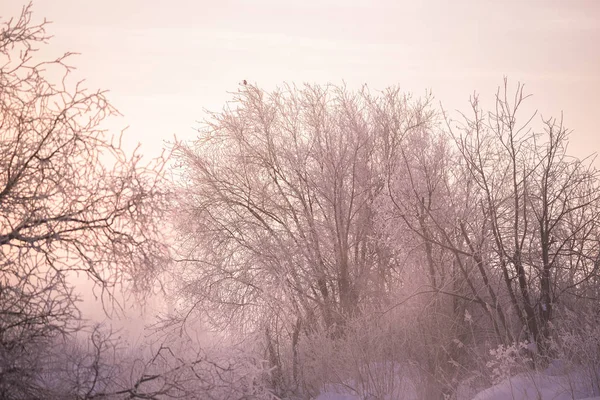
164,61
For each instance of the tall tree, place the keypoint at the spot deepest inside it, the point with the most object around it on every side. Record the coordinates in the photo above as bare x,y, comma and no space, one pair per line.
540,208
277,204
70,201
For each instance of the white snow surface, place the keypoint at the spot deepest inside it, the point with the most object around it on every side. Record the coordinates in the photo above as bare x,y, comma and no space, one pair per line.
547,385
381,381
541,386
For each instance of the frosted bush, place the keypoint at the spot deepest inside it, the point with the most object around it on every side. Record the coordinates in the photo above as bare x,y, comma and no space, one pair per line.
507,360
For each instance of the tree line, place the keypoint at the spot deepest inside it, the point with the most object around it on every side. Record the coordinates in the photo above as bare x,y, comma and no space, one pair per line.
330,236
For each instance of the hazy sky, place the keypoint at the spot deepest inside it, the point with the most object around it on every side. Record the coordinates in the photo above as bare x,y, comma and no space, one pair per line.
164,61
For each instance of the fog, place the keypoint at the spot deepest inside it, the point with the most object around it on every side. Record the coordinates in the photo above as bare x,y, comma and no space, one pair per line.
315,200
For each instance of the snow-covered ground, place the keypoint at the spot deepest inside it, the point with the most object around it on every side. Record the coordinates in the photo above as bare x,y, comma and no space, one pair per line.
527,386
381,381
541,386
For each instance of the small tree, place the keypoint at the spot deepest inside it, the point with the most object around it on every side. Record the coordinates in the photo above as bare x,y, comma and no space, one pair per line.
70,201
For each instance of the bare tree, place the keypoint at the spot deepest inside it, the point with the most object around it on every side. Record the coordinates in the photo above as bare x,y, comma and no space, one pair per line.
70,201
102,364
276,209
539,207
500,225
426,196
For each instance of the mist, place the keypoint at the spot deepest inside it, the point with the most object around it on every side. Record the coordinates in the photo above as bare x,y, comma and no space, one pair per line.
326,200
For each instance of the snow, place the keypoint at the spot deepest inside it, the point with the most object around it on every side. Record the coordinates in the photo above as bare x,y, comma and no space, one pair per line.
540,386
337,396
381,381
547,385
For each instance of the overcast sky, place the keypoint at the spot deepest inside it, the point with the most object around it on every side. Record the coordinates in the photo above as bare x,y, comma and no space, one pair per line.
164,61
